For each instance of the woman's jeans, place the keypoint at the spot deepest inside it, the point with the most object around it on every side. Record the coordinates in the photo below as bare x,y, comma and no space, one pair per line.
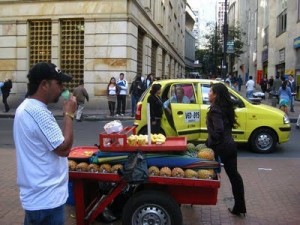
45,216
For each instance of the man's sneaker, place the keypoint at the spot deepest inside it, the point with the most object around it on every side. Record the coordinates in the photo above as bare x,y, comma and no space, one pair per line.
117,115
122,114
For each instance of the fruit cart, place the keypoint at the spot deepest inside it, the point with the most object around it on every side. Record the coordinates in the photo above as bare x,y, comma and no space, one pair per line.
156,201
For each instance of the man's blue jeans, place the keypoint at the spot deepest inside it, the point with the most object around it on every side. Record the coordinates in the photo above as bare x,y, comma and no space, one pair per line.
45,216
249,94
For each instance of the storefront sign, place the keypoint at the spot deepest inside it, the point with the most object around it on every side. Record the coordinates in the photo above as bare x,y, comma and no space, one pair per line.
297,42
289,72
282,55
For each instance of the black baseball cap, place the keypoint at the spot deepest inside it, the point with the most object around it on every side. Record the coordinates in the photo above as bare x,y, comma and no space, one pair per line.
46,71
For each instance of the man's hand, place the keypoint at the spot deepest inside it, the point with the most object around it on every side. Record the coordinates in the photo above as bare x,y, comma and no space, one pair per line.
70,106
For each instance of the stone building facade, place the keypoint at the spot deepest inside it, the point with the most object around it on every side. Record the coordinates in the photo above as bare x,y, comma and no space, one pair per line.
273,37
92,40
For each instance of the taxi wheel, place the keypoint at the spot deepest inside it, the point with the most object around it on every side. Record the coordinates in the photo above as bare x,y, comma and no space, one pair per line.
263,140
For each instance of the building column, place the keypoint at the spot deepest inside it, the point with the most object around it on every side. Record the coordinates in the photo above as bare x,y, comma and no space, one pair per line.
172,70
159,63
167,67
147,44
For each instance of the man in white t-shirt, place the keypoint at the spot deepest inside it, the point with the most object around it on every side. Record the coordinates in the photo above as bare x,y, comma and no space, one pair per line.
42,147
250,87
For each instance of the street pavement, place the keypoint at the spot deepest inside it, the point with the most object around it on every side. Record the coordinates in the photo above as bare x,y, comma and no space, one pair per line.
271,189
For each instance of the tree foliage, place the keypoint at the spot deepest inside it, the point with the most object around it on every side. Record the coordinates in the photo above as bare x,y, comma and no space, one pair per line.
211,56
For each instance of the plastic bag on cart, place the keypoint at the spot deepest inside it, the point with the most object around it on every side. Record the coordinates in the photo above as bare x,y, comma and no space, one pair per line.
135,169
113,126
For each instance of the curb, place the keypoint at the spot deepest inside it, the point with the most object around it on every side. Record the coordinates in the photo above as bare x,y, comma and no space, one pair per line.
85,118
103,117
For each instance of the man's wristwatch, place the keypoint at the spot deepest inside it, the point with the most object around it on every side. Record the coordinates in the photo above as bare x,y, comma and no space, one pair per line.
71,115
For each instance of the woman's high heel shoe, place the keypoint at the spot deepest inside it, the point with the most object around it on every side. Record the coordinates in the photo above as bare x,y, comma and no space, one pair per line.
236,213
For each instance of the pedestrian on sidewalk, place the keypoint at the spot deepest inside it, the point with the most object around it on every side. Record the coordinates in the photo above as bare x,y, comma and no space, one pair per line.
81,94
292,84
149,80
276,85
250,87
112,92
285,96
5,89
264,84
42,147
220,121
156,108
136,90
121,97
240,82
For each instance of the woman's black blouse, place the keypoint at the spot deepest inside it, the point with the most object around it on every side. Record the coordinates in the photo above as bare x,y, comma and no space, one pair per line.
156,107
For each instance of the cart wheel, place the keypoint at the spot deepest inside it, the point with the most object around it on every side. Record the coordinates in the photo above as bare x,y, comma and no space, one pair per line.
151,207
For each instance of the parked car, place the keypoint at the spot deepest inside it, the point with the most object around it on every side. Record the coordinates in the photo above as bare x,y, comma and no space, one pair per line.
260,125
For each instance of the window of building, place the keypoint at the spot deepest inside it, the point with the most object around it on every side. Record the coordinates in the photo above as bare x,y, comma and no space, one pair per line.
163,64
140,53
39,41
266,36
281,23
72,49
154,56
298,10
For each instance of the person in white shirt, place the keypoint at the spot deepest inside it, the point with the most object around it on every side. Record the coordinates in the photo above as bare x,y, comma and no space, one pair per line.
121,98
42,146
250,87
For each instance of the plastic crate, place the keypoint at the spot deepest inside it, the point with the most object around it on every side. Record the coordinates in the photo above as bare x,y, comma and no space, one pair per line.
113,140
117,142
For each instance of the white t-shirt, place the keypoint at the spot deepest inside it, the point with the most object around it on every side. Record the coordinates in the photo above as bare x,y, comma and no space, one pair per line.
42,175
250,85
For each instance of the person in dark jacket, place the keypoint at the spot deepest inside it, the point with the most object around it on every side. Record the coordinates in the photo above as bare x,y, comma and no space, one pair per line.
221,119
5,89
136,90
292,84
81,94
156,108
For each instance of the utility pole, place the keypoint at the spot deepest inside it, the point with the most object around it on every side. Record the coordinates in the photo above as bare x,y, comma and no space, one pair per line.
225,33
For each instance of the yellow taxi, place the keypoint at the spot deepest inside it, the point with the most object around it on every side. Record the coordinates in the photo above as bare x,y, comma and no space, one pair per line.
260,125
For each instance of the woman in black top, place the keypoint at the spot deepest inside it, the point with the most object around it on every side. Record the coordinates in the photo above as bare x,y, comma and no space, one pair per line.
221,118
156,108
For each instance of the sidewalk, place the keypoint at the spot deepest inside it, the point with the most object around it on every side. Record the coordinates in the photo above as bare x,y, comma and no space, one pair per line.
98,114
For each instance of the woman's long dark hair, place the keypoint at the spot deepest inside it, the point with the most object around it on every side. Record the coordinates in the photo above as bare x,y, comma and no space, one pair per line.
225,103
155,88
284,84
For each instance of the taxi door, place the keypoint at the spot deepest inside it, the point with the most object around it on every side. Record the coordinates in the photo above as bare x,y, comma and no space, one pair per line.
240,110
186,116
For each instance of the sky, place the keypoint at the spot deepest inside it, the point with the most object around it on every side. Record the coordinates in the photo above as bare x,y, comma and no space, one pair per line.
207,14
205,7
